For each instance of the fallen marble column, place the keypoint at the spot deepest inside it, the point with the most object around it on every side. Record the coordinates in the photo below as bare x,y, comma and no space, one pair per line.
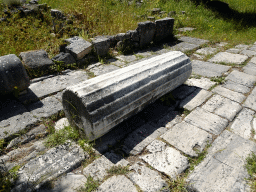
97,105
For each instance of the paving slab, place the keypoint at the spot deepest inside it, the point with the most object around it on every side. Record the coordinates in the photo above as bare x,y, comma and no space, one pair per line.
221,44
236,87
188,138
53,163
40,130
208,69
197,56
168,161
242,125
241,46
194,100
184,46
184,29
127,58
234,96
203,83
250,102
14,117
148,180
156,146
140,138
206,121
117,184
98,168
102,69
253,60
68,183
223,107
207,50
229,58
233,50
116,62
250,69
192,40
223,169
249,53
242,78
53,84
253,48
46,107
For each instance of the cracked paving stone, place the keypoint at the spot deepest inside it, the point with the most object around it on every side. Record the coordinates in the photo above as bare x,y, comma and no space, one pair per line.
46,107
228,58
249,53
192,40
223,169
236,87
207,121
53,163
242,78
168,161
250,102
222,107
117,184
203,83
208,69
98,168
238,97
250,69
148,180
207,51
233,50
195,99
184,46
188,138
242,124
102,69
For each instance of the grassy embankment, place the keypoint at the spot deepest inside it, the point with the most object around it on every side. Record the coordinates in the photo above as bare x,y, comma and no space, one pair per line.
110,17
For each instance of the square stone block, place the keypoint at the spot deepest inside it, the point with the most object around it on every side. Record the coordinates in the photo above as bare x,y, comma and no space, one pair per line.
229,58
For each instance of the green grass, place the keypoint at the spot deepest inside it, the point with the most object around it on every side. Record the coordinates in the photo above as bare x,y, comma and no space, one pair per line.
105,17
251,168
118,170
90,185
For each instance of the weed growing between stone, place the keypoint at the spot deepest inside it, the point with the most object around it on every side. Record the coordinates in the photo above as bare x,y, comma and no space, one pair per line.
118,170
251,168
7,178
90,185
61,136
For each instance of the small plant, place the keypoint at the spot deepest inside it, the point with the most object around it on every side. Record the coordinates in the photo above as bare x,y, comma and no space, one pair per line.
90,185
1,145
186,112
178,185
251,168
61,136
218,80
7,177
118,170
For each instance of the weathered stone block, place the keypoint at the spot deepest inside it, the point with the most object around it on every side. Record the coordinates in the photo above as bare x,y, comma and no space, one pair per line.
67,58
164,28
78,47
101,45
146,32
99,104
36,59
12,74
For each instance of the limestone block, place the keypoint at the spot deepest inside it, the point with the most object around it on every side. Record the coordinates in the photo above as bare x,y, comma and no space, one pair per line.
223,169
67,58
78,47
12,74
146,32
164,28
53,163
37,60
229,58
250,102
242,78
101,45
193,40
117,184
100,103
188,138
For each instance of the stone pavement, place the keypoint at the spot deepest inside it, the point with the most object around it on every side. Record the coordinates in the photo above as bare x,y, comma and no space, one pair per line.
156,145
